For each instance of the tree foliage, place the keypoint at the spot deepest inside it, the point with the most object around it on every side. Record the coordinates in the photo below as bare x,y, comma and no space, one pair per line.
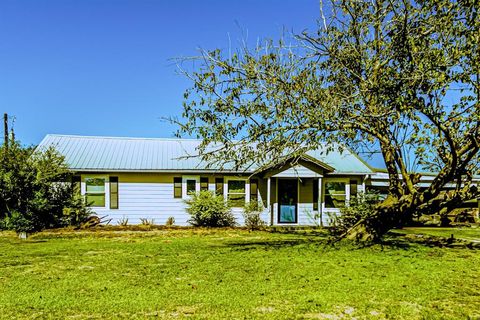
398,77
36,190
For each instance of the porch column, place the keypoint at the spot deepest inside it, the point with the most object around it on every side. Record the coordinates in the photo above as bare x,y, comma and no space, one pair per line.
268,200
364,188
319,200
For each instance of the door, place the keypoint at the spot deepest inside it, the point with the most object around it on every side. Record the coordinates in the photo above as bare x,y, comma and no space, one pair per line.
287,200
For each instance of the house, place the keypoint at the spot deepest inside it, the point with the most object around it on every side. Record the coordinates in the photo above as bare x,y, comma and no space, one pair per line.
138,178
148,178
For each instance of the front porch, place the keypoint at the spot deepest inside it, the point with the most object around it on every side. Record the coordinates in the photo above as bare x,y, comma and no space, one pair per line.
306,194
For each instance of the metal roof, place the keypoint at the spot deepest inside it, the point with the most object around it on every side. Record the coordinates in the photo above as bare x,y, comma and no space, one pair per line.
88,153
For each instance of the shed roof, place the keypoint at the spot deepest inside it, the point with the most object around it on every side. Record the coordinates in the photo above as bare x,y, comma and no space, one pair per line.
89,153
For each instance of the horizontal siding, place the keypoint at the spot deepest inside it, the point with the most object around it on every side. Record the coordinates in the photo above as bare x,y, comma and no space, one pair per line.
306,215
151,197
328,216
297,171
147,200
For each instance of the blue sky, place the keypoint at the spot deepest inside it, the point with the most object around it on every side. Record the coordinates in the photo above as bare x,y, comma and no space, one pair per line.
102,67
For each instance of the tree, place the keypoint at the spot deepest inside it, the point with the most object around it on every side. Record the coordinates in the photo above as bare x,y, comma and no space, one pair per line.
400,77
36,190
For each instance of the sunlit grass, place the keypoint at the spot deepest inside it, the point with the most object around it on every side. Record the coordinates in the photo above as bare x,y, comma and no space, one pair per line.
227,274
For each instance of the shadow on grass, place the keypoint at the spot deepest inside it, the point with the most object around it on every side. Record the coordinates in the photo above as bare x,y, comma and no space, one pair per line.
25,242
299,239
324,241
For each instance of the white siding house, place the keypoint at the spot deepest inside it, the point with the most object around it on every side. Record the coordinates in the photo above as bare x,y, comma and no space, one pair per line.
134,178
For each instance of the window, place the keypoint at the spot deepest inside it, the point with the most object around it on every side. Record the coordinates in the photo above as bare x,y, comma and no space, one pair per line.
253,190
177,187
335,195
219,186
204,184
236,193
113,192
95,192
191,186
315,194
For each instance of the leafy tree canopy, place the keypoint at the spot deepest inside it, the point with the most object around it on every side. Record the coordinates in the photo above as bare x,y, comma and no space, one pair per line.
400,77
36,190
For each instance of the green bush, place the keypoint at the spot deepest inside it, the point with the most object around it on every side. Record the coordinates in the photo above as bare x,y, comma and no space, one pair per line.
251,214
36,186
359,207
18,223
76,213
209,210
170,221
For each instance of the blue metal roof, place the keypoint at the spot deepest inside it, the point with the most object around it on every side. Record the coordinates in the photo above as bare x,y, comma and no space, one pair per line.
86,153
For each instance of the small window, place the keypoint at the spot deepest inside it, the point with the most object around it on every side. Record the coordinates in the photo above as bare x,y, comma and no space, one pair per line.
113,192
191,186
95,192
236,193
219,186
177,187
315,194
335,195
253,190
204,184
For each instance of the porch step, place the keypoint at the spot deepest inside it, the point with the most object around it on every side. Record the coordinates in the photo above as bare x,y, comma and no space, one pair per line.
294,228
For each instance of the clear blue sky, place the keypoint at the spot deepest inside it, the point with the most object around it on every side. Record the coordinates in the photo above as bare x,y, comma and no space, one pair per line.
101,67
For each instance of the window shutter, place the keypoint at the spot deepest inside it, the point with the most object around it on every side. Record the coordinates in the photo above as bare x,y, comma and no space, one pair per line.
113,192
77,185
219,186
353,188
315,194
253,190
177,187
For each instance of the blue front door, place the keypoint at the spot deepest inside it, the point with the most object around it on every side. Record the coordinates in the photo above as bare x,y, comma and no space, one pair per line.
287,200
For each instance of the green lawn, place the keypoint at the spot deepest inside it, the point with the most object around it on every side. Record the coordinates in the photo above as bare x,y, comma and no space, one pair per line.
231,274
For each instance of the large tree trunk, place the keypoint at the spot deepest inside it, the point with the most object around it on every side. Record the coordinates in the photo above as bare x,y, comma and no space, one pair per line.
389,214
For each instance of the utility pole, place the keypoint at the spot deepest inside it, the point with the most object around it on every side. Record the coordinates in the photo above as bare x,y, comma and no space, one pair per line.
5,133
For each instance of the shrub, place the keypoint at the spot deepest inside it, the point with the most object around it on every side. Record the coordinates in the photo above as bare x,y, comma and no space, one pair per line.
360,207
209,210
19,223
170,221
147,222
76,214
123,222
251,214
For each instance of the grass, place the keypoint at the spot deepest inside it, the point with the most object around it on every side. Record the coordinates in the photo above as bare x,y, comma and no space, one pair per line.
231,274
466,233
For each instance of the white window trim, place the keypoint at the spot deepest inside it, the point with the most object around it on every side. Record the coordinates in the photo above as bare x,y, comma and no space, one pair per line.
324,191
184,185
247,188
83,188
